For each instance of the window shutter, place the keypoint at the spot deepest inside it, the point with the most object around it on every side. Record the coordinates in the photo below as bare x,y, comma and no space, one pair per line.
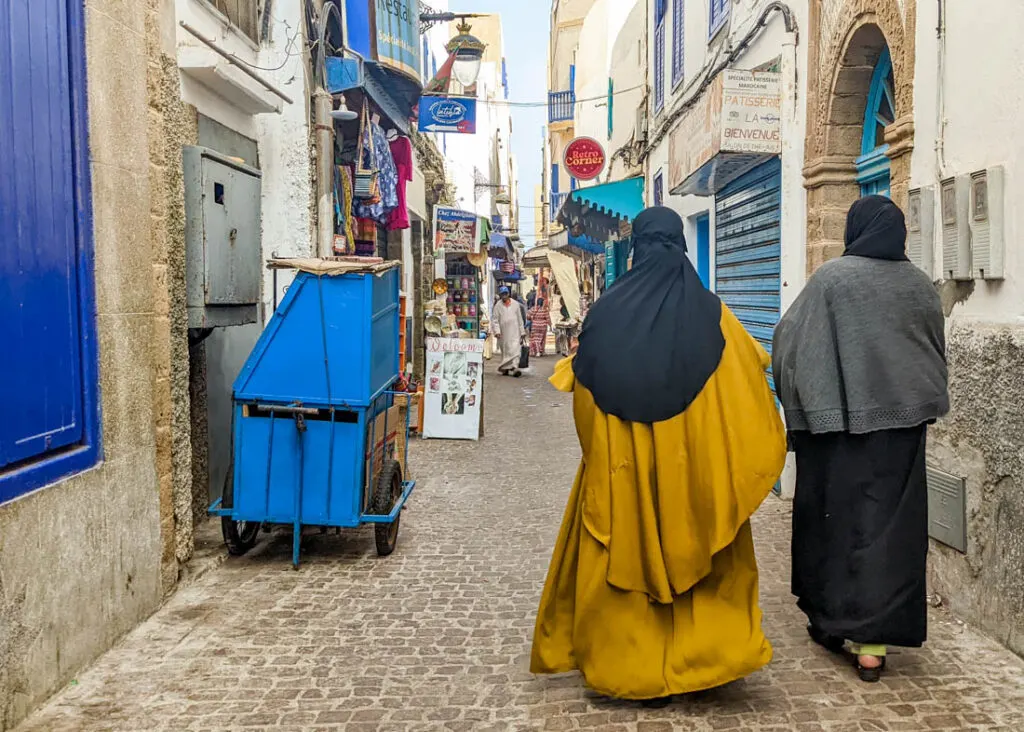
678,27
42,385
719,11
659,67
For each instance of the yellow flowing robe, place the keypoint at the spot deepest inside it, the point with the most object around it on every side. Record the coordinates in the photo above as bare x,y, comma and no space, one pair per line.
652,590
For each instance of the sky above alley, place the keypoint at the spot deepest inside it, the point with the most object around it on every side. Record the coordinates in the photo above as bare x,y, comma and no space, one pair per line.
525,26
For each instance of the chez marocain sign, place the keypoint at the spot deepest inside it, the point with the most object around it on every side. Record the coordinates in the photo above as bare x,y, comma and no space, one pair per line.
584,158
735,125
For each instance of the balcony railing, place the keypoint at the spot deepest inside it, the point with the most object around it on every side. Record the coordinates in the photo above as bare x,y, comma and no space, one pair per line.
561,106
557,199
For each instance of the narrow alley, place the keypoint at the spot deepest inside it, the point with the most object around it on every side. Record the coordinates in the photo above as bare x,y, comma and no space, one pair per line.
437,636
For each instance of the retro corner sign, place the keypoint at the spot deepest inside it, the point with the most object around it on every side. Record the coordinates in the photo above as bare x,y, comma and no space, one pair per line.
448,114
584,158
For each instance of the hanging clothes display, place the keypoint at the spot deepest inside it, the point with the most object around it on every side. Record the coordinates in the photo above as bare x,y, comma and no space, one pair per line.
401,153
377,157
345,239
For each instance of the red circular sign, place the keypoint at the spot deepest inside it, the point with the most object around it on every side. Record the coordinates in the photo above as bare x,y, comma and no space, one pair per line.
584,158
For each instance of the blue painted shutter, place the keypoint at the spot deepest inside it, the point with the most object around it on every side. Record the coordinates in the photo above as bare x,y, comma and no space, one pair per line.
659,55
554,177
718,12
748,265
41,384
678,26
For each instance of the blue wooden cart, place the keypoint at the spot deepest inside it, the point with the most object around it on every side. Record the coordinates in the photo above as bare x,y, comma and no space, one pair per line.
316,436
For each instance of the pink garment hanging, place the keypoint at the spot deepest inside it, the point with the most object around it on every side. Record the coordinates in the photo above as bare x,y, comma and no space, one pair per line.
401,151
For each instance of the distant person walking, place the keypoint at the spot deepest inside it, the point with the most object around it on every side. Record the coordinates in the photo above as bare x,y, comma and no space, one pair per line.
540,321
861,371
510,330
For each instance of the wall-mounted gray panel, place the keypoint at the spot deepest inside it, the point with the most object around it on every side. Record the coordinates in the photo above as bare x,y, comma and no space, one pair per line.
947,509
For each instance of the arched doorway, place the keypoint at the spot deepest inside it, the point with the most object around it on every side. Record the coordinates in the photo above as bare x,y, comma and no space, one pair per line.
860,119
873,166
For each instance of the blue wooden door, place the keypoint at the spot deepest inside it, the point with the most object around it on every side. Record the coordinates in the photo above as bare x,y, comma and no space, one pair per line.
44,202
704,249
879,112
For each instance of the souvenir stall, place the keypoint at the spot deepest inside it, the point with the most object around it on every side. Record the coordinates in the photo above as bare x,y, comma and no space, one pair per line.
460,286
373,166
464,293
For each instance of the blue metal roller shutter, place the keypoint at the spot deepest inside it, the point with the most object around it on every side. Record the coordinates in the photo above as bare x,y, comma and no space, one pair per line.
748,265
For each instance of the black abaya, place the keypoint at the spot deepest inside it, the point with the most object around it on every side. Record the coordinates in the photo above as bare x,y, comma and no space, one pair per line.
860,534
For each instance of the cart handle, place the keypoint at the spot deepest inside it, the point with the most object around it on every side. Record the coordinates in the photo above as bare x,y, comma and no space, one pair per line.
312,411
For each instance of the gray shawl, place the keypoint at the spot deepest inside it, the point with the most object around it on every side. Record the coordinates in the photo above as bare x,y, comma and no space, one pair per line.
862,350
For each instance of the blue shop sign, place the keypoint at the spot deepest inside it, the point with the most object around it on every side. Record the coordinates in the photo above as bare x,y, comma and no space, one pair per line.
448,114
398,35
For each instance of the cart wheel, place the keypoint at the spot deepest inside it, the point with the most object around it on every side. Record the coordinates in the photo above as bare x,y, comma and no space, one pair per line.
387,493
240,536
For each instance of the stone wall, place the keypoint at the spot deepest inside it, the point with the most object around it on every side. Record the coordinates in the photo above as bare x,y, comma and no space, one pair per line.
172,125
980,441
845,40
83,561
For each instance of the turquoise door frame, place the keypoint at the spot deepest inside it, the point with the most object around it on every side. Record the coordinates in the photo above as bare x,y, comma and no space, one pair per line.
879,112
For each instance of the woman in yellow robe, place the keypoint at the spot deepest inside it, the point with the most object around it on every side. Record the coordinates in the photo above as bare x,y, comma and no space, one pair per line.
653,588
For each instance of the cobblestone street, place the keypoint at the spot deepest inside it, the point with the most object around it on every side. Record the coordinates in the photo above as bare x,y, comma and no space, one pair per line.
437,636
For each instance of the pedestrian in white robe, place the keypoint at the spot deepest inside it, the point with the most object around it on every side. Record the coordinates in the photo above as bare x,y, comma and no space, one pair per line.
510,330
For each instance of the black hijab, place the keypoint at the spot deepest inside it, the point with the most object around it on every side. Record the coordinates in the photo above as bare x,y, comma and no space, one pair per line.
876,228
652,341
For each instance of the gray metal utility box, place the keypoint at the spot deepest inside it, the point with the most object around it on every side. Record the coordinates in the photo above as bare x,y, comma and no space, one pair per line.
222,234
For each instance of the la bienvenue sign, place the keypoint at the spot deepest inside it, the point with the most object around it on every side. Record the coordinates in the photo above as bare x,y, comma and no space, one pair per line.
584,158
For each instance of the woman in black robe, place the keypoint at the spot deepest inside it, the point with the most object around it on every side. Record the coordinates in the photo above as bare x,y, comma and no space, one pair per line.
859,362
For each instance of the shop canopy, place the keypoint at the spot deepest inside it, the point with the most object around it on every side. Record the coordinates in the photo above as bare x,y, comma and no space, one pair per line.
500,247
394,94
537,256
563,241
598,211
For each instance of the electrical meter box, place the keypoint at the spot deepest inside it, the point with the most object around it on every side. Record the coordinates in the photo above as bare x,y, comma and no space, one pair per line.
921,228
988,242
956,231
223,239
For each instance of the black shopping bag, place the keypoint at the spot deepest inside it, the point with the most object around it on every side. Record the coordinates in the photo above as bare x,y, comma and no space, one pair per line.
524,357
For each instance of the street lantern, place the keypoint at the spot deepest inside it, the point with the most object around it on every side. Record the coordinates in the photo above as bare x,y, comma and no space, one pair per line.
469,55
504,204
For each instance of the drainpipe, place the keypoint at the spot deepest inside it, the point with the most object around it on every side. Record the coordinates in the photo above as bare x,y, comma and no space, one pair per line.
793,201
323,103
